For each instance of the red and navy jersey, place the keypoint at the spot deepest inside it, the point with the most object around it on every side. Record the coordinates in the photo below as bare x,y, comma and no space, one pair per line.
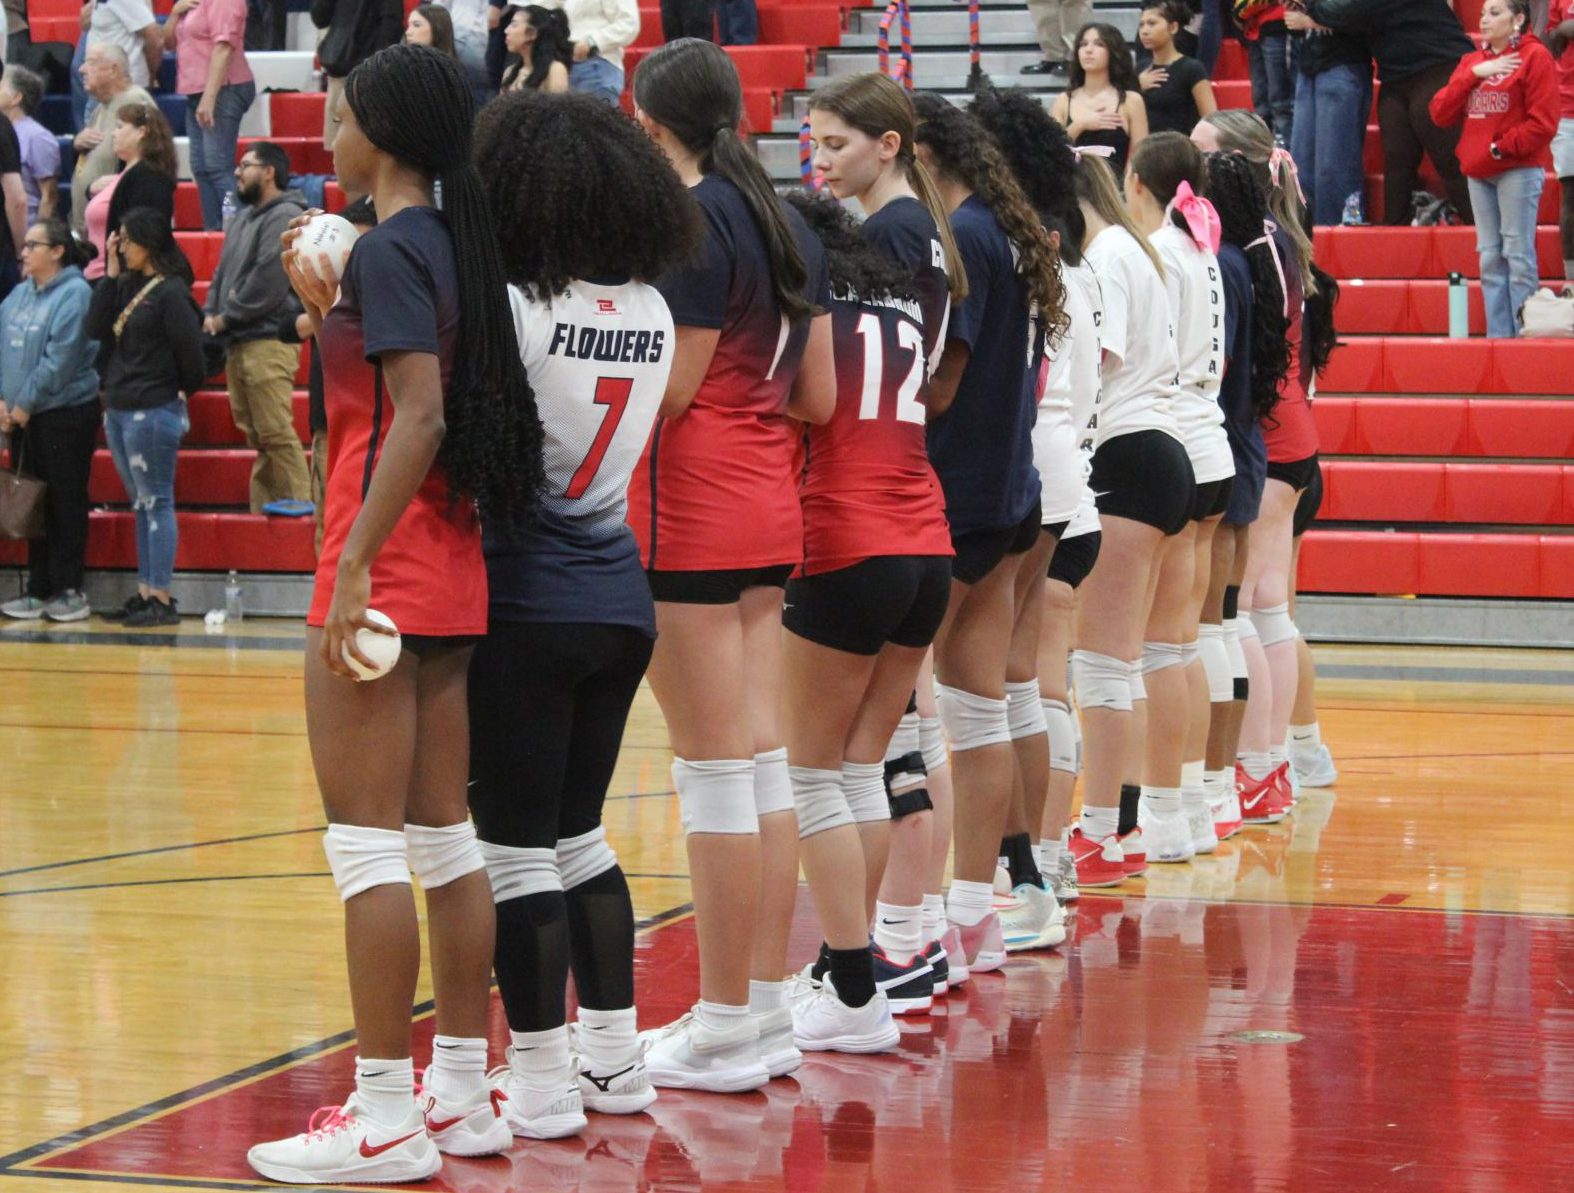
1290,431
868,489
904,231
717,487
429,576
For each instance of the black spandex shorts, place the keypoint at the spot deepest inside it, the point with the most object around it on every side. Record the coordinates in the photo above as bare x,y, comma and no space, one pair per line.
1145,476
891,598
1311,501
1074,558
715,588
979,551
1056,530
1211,498
424,646
1297,473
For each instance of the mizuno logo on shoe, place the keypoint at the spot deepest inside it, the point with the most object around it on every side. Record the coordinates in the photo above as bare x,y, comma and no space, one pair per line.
369,1151
604,1084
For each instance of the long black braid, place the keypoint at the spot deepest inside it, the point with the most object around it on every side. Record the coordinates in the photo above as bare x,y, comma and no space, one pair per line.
415,104
1242,211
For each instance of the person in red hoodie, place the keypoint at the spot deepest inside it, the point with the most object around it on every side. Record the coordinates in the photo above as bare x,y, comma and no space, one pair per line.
1560,40
1507,96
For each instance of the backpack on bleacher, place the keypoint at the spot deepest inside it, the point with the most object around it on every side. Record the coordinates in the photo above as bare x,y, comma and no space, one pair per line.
1546,315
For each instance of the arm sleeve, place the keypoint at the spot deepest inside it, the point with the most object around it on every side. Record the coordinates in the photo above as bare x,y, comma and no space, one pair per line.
901,241
967,317
533,327
1448,105
403,318
183,324
103,309
1115,328
697,293
263,288
135,15
618,27
228,24
62,347
1542,108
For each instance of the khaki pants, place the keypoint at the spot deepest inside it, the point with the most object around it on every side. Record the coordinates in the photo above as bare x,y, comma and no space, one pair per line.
1056,23
330,112
261,377
319,482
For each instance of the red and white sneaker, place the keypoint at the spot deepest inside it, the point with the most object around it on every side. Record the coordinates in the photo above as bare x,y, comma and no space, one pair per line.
339,1146
983,944
1226,809
956,961
1259,798
478,1127
1098,863
1284,787
1134,847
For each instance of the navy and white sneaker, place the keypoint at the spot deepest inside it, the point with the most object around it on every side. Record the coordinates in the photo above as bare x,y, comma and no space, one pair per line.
940,967
909,988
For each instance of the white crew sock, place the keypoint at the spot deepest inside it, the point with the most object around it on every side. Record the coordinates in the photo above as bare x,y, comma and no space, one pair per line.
385,1089
1277,757
899,931
540,1057
969,902
606,1038
458,1071
1162,801
1098,823
719,1016
1256,765
765,997
935,922
1193,774
1050,850
1306,737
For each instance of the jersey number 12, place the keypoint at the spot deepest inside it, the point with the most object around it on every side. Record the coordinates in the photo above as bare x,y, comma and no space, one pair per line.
909,336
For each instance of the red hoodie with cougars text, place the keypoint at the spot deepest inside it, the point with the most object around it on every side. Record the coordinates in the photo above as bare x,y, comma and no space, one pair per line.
1517,112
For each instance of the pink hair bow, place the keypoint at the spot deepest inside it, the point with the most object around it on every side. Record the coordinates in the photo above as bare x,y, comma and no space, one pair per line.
1093,151
1280,163
1202,220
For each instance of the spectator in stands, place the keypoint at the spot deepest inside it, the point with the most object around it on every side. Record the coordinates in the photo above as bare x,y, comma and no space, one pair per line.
356,29
1560,40
602,30
737,22
39,151
14,195
1417,44
687,18
249,298
18,38
1055,23
148,322
1102,103
49,393
540,40
131,25
471,22
1507,96
211,71
144,141
1333,95
431,25
1175,88
1268,56
107,77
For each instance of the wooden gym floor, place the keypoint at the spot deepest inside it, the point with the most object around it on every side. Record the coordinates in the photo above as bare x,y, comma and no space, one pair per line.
1377,995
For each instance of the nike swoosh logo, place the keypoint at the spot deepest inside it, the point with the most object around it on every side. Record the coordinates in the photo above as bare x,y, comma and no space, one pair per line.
595,1027
885,921
446,1047
369,1151
438,1126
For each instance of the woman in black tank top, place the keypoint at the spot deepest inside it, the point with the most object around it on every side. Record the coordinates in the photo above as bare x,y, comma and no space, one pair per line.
1102,105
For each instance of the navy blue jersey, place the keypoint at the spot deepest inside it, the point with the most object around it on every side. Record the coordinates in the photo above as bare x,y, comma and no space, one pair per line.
904,231
1235,392
982,447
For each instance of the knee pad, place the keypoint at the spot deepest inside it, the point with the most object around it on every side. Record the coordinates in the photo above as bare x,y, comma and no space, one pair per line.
932,744
772,785
863,785
908,739
1273,624
1062,736
362,858
1239,685
1232,602
1101,681
1160,656
1139,687
1244,627
1191,652
519,873
1025,710
716,796
581,858
972,721
438,856
1216,664
820,800
910,802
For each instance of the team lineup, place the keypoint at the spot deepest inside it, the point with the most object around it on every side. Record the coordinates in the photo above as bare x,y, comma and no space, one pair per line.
910,518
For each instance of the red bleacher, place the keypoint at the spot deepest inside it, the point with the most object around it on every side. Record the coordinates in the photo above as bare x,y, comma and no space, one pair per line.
1504,428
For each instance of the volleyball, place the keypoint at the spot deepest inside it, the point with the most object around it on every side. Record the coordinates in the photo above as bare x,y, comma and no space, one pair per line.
330,234
381,649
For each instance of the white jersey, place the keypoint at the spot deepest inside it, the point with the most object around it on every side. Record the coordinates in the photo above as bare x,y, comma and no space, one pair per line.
1068,402
1141,369
1196,296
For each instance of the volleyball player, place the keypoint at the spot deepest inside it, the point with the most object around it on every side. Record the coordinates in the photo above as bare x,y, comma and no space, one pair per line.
430,416
1143,482
1164,189
714,505
571,619
981,405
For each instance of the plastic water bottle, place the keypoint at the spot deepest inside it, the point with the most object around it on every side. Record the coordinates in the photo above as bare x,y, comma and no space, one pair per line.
1458,307
234,606
228,208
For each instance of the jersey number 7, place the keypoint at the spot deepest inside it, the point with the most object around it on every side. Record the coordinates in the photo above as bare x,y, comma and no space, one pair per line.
613,393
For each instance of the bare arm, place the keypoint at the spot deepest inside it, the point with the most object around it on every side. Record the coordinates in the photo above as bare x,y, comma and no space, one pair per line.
1136,110
15,208
695,346
1202,95
947,377
153,51
813,397
48,196
218,67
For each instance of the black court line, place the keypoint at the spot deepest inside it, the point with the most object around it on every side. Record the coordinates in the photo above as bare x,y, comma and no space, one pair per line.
9,1164
114,886
115,857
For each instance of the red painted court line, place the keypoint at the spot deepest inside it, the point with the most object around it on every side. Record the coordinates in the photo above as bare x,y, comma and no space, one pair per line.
1430,1059
1393,899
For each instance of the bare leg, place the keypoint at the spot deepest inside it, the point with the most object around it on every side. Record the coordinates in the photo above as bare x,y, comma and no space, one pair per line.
1054,642
762,648
1031,787
1168,708
940,789
884,703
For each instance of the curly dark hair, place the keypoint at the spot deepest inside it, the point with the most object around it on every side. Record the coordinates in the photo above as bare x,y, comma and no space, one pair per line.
1122,66
609,205
1242,212
1039,153
1320,333
963,150
855,265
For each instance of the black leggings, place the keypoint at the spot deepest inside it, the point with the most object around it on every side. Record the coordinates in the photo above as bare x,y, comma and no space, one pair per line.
57,448
1408,131
548,703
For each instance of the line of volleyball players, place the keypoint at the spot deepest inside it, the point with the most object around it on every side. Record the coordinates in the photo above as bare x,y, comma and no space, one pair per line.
846,494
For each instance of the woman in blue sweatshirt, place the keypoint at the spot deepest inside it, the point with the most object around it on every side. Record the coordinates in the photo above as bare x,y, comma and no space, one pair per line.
49,405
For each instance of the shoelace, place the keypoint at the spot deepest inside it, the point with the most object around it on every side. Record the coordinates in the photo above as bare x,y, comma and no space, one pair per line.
327,1120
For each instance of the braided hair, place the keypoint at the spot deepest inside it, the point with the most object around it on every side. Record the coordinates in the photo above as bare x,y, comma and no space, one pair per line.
1242,212
1040,155
415,104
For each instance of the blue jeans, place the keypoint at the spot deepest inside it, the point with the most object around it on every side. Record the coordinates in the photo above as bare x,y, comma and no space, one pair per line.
143,444
213,149
1330,133
598,77
737,22
1273,86
1505,208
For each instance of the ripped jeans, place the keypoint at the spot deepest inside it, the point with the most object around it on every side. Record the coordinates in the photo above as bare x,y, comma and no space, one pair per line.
144,444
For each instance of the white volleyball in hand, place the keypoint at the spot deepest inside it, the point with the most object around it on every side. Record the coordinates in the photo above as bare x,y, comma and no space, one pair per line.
381,649
326,234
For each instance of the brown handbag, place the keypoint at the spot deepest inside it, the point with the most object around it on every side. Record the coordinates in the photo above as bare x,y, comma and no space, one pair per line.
21,500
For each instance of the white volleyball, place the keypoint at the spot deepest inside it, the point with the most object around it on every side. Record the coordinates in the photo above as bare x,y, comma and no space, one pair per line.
326,234
381,649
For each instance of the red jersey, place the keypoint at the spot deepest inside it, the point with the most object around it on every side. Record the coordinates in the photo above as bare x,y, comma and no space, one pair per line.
716,488
1517,112
429,577
1290,431
868,489
1560,11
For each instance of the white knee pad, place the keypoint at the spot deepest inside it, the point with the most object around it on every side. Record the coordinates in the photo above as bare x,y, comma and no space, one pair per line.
438,856
362,858
1062,736
1101,681
863,783
1273,624
1216,663
1139,687
932,743
1025,710
972,721
772,785
1245,627
1160,656
516,873
1232,648
716,796
820,800
581,858
1191,652
908,738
